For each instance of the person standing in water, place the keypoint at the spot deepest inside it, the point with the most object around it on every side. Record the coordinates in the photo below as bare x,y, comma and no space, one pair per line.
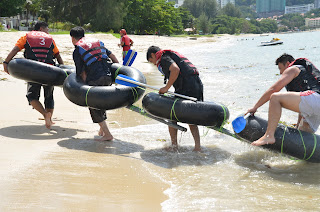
90,57
180,73
39,46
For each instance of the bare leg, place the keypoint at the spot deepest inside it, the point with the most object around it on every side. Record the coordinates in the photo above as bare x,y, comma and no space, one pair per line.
196,136
289,100
51,111
304,126
101,133
106,133
46,115
174,138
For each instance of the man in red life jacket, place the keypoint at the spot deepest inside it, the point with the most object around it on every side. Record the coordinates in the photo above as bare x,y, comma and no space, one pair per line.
125,42
39,46
184,77
302,81
90,57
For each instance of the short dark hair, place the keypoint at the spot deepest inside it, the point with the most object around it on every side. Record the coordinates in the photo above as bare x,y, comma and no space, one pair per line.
152,49
284,59
77,32
40,24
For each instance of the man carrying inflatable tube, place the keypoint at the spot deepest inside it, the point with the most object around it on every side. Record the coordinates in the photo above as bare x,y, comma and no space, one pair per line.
39,46
184,77
302,81
125,42
90,58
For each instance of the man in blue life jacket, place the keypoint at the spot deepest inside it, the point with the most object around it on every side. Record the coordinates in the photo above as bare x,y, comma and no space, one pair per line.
39,46
302,81
90,58
180,73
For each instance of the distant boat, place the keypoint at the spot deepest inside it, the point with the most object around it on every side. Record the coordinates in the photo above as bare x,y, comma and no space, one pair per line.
274,41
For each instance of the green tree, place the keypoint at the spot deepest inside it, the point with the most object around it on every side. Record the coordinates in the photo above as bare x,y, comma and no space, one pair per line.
204,24
231,10
150,16
197,7
10,8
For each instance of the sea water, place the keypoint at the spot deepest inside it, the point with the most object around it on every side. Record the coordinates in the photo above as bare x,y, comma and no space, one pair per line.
231,175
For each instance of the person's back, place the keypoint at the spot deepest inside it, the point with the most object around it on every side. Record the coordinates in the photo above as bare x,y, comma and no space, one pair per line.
39,46
90,57
94,59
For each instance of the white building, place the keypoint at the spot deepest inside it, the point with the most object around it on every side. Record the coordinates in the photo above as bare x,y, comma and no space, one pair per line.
313,22
299,8
223,3
316,3
178,3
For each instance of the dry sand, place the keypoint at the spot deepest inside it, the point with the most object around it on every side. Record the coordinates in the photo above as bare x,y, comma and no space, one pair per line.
63,169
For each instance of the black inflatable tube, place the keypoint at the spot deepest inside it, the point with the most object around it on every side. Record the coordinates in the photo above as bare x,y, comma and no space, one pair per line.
38,72
186,111
104,97
290,141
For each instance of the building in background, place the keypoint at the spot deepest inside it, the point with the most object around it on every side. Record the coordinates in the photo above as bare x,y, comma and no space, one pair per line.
316,3
299,8
269,8
178,3
223,3
313,22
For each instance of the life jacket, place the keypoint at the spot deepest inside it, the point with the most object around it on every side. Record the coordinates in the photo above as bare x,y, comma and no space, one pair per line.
39,46
308,78
126,41
91,50
187,69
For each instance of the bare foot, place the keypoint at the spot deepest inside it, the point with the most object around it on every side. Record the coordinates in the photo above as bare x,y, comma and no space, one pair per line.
47,119
263,141
197,149
101,132
173,148
105,138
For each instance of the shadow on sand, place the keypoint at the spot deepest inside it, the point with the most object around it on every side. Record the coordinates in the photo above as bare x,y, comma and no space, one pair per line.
116,147
37,132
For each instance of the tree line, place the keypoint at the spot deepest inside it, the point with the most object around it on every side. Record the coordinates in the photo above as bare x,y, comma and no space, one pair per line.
145,16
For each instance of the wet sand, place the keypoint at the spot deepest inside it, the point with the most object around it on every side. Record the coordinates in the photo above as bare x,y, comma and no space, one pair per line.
64,169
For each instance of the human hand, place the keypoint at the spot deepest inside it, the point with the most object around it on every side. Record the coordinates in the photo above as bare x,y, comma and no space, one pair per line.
5,68
163,90
251,111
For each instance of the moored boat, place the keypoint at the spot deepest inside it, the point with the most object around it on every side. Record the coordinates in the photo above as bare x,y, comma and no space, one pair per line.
274,41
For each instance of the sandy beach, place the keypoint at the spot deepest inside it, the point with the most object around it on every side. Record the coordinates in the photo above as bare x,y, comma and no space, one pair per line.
64,169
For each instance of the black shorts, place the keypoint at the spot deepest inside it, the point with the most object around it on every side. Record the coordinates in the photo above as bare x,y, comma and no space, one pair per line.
97,115
33,93
191,86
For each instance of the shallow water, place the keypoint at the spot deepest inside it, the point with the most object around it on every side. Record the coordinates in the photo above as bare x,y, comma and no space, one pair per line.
69,171
230,175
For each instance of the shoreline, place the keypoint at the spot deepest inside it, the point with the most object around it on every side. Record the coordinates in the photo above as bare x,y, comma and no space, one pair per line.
64,165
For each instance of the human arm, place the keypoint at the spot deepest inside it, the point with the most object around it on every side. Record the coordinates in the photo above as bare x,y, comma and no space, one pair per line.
174,73
131,42
59,58
80,70
13,53
113,58
287,76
